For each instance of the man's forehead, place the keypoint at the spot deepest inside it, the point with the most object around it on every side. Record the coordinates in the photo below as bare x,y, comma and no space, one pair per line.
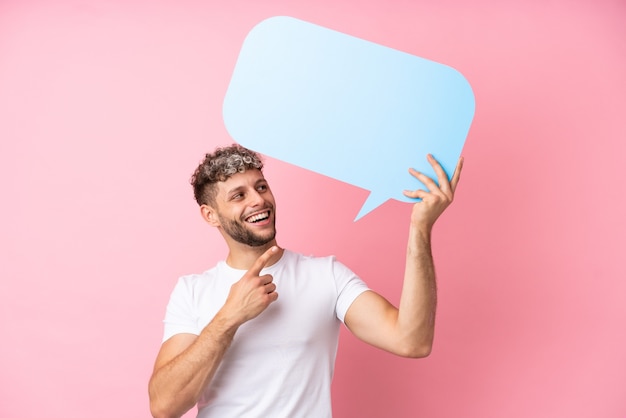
248,178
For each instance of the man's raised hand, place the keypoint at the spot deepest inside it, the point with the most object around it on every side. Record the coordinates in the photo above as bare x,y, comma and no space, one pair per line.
437,198
253,293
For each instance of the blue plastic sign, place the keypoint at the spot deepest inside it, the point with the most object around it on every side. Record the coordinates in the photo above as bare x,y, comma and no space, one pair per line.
347,108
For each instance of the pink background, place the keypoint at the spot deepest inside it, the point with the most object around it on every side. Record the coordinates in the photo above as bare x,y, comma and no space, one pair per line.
107,106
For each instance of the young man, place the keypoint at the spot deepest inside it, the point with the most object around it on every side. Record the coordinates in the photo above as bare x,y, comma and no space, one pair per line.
236,349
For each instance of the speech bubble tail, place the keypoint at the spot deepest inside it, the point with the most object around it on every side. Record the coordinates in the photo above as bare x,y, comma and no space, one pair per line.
372,202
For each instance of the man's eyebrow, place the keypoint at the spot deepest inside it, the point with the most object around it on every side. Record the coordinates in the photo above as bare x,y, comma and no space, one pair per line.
241,188
234,189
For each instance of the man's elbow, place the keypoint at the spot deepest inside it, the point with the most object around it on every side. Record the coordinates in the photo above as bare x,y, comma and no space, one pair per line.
157,411
162,408
416,351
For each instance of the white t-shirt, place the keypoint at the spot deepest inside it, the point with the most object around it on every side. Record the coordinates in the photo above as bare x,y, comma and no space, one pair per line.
280,364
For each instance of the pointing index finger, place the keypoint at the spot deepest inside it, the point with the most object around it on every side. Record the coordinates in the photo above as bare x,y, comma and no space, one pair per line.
262,261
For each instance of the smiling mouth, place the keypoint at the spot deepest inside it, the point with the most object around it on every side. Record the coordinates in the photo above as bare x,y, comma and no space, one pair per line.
258,217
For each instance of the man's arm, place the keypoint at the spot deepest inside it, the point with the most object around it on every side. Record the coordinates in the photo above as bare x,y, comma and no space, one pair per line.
409,329
186,363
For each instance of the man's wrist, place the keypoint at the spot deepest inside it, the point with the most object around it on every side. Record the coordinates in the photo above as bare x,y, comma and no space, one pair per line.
224,324
421,230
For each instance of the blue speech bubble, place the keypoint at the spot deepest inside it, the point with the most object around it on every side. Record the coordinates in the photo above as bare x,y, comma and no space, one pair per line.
346,108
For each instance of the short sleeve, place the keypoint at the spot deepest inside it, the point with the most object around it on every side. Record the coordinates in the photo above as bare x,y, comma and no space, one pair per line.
180,316
349,287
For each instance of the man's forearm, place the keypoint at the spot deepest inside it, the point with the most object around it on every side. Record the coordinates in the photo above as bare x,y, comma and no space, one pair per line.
176,386
418,302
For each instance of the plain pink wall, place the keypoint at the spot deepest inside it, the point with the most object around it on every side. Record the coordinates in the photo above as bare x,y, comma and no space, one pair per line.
106,107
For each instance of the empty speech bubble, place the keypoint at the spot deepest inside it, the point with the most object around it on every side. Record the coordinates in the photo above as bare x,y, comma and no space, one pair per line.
346,108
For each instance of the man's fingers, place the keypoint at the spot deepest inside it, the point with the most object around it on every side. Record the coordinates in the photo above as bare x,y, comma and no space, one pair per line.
416,194
427,181
270,287
266,279
457,174
442,177
445,185
262,261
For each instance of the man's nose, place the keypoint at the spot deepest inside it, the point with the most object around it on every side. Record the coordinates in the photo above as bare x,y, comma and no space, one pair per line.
255,198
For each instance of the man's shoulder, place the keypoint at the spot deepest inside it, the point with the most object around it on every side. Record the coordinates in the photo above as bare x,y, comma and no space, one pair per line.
194,278
300,257
310,262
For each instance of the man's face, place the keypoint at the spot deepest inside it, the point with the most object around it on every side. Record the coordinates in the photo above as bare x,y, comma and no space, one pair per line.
245,208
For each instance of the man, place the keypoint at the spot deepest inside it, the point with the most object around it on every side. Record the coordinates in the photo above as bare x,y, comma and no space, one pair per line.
236,349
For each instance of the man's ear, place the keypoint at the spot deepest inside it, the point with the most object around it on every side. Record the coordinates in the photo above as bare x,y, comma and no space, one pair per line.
209,215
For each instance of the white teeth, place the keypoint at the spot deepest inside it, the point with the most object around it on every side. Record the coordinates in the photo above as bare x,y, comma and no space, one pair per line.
258,217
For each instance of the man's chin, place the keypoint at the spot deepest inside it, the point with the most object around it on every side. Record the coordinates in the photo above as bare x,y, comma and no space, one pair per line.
261,241
244,234
256,240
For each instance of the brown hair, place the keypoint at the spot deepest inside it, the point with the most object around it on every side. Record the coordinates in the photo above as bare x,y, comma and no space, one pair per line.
219,166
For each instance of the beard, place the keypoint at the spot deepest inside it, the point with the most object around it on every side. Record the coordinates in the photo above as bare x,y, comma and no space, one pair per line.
237,230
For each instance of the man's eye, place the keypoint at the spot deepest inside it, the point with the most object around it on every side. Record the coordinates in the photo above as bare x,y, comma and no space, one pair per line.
237,196
262,188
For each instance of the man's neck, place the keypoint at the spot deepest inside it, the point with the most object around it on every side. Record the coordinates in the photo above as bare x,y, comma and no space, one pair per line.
243,257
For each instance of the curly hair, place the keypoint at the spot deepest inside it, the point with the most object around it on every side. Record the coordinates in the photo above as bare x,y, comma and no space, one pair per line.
219,166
